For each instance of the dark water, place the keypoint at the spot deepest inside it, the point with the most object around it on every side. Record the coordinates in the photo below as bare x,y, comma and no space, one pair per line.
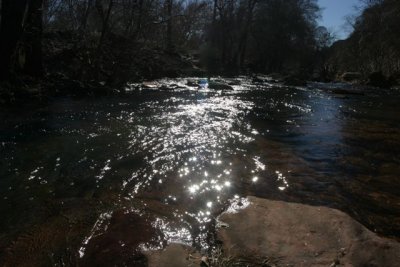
97,181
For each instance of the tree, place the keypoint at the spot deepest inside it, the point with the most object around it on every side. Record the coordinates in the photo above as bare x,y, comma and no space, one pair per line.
242,47
21,37
324,38
32,40
168,7
12,16
283,35
374,44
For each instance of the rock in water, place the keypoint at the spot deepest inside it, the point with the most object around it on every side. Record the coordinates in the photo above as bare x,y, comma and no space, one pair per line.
150,85
302,235
219,86
351,77
192,83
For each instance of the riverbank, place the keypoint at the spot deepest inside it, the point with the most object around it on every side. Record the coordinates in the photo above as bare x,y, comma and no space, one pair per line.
77,66
277,233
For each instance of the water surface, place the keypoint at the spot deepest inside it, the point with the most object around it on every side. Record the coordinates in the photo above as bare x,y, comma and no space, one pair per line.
97,181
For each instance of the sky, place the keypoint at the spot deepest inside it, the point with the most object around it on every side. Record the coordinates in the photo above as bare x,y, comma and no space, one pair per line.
333,13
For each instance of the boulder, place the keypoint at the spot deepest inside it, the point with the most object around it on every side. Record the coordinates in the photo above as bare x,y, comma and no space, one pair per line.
150,85
270,78
302,235
192,83
351,77
170,87
234,82
219,86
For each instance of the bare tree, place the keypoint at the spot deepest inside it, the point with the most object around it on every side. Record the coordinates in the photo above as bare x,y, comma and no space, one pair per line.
20,37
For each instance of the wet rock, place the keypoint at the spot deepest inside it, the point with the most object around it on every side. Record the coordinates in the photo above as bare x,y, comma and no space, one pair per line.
234,82
165,88
301,235
176,255
271,78
150,85
219,86
192,83
170,87
228,81
351,77
276,76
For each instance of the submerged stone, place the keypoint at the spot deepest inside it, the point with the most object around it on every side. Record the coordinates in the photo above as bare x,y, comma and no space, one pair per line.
219,86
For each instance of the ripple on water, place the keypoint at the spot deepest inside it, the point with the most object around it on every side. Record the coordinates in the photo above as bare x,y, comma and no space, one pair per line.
161,166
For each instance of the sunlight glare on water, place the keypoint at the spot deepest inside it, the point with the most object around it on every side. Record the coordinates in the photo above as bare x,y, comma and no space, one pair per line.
195,142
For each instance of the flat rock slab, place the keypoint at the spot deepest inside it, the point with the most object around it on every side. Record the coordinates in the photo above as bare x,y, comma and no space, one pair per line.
302,235
174,255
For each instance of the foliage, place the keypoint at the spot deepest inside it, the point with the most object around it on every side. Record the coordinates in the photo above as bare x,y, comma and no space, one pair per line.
224,36
374,45
231,35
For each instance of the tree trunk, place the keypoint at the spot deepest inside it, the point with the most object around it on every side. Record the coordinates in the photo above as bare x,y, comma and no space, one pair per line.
169,25
105,22
241,53
139,20
215,11
104,30
86,17
12,20
33,39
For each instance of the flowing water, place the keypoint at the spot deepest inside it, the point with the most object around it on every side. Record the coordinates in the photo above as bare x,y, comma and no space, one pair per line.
98,181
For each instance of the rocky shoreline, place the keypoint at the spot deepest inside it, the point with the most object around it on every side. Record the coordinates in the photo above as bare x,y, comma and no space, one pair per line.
287,234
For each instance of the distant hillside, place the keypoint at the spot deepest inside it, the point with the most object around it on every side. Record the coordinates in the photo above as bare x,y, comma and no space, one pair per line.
374,46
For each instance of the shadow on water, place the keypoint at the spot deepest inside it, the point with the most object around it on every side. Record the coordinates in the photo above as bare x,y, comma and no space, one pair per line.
88,180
